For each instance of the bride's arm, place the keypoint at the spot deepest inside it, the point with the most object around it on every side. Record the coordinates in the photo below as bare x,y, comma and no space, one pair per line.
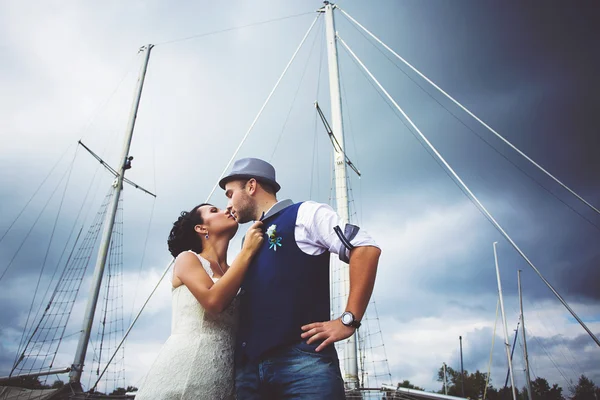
215,297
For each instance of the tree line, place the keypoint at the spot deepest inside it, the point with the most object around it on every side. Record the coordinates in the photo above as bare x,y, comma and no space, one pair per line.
476,386
34,382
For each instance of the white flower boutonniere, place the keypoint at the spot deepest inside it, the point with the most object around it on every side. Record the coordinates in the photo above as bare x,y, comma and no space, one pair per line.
274,240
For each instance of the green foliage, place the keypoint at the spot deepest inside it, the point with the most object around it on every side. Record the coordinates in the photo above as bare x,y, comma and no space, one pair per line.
474,383
122,391
586,389
406,384
26,382
541,390
57,384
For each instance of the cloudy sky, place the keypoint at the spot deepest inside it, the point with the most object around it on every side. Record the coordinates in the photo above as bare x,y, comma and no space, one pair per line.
67,73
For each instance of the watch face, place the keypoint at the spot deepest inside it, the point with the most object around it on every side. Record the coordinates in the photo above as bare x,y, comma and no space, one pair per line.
347,318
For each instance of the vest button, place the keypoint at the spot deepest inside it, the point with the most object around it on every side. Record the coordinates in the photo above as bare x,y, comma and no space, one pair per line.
244,344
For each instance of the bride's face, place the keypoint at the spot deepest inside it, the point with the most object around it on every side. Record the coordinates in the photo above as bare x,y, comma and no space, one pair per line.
218,221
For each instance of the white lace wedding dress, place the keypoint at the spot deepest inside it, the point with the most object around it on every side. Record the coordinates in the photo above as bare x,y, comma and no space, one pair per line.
196,362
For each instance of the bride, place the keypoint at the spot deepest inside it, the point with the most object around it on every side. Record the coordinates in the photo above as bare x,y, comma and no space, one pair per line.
196,362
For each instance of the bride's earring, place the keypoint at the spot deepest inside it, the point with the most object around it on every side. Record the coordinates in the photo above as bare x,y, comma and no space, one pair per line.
206,236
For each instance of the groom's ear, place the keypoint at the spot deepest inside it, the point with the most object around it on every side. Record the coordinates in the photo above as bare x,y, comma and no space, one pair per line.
251,186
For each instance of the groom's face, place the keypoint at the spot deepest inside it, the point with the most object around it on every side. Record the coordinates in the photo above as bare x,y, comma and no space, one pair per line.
241,205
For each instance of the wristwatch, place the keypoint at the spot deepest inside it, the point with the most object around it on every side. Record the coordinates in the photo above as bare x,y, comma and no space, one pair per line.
348,319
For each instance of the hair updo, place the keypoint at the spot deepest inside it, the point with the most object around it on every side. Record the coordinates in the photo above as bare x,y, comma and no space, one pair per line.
183,237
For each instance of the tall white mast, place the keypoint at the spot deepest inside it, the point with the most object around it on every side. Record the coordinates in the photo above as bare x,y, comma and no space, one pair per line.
77,368
529,393
341,190
506,343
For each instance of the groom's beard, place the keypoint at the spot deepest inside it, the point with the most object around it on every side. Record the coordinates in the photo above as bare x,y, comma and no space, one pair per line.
246,211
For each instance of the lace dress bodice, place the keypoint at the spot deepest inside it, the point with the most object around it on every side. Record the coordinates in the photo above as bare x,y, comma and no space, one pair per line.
196,362
186,311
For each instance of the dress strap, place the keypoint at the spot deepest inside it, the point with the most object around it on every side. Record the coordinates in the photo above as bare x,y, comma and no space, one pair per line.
205,264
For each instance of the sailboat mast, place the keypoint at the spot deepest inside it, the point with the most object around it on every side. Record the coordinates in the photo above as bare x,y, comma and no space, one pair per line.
524,341
506,344
77,367
341,190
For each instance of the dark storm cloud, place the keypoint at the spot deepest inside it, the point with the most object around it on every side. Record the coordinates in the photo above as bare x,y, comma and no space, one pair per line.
585,281
530,70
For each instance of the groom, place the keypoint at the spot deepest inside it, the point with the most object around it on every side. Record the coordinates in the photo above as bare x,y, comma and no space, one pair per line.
285,341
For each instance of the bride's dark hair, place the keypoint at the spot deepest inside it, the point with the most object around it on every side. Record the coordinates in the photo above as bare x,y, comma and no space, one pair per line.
183,236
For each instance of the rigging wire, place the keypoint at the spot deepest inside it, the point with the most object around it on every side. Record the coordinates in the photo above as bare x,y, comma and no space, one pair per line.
230,29
34,224
491,146
95,113
569,385
35,192
296,93
84,130
487,381
348,114
494,222
62,254
263,107
471,114
134,321
427,150
542,322
54,167
151,219
66,292
111,322
334,142
425,147
35,292
60,206
546,350
366,340
315,137
143,258
66,246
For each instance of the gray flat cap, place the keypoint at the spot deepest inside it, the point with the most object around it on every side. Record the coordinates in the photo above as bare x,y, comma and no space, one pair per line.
247,168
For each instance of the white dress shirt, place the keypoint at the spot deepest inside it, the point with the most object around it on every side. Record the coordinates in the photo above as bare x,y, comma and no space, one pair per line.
314,229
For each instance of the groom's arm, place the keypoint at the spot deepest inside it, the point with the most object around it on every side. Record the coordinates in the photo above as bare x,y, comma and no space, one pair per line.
353,246
363,269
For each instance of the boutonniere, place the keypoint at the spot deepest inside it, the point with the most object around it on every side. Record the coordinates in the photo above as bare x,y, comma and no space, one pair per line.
274,240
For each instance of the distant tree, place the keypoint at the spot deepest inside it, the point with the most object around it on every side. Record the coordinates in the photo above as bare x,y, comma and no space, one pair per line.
122,391
541,390
505,393
586,389
474,383
57,384
118,391
26,382
406,384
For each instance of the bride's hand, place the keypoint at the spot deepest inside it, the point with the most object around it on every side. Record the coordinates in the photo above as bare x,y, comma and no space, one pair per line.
254,237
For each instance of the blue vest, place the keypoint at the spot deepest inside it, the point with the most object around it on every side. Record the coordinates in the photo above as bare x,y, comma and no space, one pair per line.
283,289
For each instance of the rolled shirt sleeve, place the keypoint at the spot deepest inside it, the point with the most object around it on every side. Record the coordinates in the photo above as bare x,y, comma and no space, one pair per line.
315,231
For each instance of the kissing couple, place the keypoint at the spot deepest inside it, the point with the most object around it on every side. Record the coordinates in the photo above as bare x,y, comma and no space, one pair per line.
259,327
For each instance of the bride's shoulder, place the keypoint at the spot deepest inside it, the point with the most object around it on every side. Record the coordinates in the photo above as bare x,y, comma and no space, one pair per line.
187,258
190,259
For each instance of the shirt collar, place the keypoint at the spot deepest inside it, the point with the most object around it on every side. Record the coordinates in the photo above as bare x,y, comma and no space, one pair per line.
277,207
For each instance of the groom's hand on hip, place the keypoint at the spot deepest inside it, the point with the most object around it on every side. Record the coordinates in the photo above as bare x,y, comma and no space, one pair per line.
329,332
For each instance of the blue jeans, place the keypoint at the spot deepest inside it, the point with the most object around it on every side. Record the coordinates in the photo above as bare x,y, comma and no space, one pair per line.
291,372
